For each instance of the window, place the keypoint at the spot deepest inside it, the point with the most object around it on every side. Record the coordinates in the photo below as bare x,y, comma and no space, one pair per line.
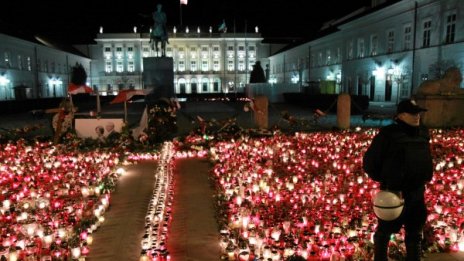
20,62
350,50
193,52
230,65
108,67
204,49
7,59
118,49
181,66
360,48
193,66
450,28
216,66
374,44
215,86
251,62
241,65
251,48
204,66
319,60
130,49
216,48
130,66
427,27
230,48
107,49
241,48
407,37
119,66
390,41
204,85
328,57
339,55
29,64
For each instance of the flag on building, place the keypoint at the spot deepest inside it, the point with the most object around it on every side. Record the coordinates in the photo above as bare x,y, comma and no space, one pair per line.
223,26
183,2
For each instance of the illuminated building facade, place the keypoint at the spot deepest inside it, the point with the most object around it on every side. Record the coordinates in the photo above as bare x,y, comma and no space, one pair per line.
203,62
42,70
384,52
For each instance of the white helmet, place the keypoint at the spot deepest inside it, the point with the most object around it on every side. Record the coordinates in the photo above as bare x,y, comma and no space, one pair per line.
387,205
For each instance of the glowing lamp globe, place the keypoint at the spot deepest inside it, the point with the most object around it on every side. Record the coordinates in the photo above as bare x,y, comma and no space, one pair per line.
388,205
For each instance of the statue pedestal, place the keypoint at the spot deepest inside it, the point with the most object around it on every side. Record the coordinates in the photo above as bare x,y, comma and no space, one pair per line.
158,74
443,110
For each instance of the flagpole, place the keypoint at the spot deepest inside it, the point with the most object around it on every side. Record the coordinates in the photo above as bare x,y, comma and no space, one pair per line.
180,13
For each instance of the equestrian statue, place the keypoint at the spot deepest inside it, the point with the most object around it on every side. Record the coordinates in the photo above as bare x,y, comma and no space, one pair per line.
159,34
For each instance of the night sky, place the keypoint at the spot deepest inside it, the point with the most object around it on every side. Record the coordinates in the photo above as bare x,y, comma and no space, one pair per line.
79,21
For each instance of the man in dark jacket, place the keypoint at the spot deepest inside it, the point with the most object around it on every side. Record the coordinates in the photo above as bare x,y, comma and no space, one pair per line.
399,158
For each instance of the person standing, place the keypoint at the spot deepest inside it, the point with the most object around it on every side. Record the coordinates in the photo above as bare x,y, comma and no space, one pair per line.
399,157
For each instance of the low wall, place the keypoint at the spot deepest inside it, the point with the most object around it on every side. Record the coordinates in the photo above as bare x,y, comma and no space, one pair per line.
443,110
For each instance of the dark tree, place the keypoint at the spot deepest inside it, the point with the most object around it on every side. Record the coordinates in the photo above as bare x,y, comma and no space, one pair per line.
257,74
78,74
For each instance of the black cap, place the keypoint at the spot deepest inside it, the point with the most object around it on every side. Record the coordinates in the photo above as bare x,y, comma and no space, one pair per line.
409,106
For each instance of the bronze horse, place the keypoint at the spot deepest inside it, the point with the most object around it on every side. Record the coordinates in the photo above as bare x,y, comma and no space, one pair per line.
159,33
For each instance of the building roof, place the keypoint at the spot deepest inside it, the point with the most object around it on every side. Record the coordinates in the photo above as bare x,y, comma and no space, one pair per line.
20,32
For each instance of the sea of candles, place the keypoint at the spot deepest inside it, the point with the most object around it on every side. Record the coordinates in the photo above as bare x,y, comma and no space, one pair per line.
51,200
277,196
307,195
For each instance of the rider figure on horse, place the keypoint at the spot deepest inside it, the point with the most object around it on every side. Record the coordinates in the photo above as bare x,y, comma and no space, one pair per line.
159,33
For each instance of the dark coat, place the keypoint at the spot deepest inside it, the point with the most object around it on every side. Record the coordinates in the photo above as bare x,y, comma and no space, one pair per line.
399,158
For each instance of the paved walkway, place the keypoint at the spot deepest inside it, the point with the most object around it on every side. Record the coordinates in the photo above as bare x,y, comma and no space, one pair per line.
194,233
119,237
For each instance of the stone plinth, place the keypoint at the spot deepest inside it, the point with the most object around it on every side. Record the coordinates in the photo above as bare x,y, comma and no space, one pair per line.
158,74
443,110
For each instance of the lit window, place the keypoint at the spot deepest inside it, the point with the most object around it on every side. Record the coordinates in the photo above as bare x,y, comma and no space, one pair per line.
108,67
216,66
181,66
241,66
230,65
29,64
130,66
328,57
193,66
119,66
204,66
7,59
